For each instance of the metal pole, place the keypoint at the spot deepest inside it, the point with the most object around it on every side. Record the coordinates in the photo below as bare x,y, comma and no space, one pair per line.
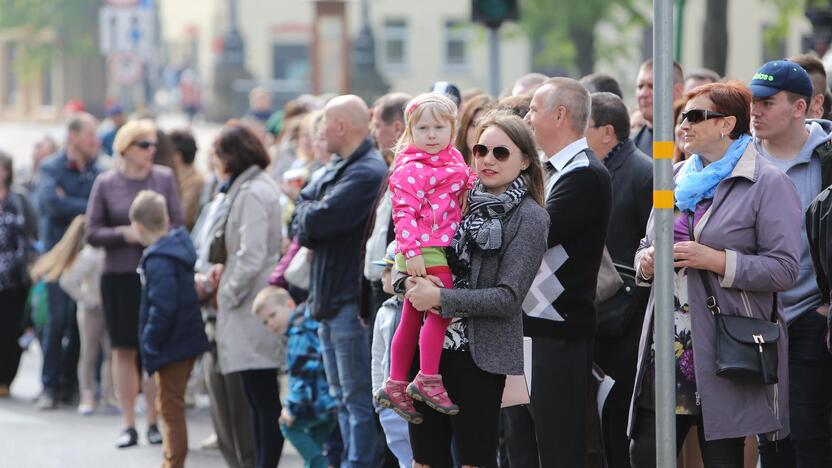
663,234
494,60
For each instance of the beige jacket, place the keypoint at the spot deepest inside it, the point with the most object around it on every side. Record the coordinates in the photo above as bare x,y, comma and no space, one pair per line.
83,278
253,240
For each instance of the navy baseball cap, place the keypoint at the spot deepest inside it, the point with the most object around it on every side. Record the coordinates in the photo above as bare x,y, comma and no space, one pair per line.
780,75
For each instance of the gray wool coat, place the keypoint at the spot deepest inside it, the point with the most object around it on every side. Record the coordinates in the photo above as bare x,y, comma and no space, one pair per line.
499,283
253,239
755,219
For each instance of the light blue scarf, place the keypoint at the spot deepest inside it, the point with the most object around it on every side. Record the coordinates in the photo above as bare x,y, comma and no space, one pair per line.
697,182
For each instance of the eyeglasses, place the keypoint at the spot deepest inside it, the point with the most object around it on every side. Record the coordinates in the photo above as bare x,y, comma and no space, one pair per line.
501,153
695,116
144,144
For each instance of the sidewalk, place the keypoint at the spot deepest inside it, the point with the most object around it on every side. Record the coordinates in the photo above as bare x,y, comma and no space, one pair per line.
61,438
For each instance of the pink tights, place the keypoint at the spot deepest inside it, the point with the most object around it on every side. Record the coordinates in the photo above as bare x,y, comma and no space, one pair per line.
431,335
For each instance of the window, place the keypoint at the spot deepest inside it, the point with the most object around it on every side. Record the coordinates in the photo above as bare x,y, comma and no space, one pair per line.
457,35
290,62
395,43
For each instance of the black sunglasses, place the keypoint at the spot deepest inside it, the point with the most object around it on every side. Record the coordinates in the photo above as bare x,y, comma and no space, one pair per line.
501,153
699,115
144,144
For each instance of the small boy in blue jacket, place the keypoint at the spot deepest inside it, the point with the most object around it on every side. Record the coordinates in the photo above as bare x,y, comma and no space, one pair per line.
308,416
171,331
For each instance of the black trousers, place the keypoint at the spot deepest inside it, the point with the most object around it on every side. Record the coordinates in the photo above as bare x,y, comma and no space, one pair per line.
721,453
474,430
260,389
11,325
810,399
618,357
561,370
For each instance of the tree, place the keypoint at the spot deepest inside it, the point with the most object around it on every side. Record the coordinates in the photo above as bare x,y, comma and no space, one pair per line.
565,29
715,37
41,25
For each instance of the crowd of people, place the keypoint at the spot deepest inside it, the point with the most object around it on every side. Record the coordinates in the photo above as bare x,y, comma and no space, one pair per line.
404,263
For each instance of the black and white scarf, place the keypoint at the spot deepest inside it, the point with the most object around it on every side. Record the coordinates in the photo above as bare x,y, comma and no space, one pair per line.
482,227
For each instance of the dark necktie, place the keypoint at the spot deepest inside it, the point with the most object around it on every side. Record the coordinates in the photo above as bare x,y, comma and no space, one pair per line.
550,169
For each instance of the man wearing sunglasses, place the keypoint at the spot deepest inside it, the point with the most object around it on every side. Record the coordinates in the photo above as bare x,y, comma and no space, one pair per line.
620,317
560,308
782,93
643,137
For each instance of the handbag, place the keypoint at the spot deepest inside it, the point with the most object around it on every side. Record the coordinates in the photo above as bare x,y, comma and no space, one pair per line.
746,347
299,270
217,250
614,297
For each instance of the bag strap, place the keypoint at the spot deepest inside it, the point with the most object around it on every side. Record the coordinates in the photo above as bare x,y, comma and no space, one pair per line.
710,301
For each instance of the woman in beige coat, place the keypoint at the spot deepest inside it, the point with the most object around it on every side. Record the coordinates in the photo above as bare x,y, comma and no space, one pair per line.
252,239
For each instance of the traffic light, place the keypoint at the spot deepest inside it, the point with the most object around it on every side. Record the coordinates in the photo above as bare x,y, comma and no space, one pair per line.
493,12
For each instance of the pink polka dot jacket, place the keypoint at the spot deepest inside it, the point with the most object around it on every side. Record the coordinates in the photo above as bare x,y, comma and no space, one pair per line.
427,190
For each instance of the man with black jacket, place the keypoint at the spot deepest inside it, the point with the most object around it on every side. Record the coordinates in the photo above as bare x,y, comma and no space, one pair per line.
560,309
620,317
329,219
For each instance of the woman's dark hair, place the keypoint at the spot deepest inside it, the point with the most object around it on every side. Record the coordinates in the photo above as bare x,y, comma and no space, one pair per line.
519,132
164,150
183,142
478,103
732,98
238,148
6,163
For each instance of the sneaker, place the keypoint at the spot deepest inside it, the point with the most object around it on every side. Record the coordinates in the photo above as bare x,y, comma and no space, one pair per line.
86,409
46,402
430,390
128,438
153,435
209,443
393,395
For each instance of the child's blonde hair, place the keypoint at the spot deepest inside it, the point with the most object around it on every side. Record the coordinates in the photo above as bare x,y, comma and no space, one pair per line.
54,263
272,295
150,210
440,107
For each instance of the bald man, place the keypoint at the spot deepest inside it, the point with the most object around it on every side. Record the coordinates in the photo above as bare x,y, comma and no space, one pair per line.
329,219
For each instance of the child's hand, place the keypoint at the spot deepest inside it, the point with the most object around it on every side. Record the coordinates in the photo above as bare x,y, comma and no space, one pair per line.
286,418
416,266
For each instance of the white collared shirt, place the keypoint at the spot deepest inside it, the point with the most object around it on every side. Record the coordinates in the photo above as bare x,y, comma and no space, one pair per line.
562,158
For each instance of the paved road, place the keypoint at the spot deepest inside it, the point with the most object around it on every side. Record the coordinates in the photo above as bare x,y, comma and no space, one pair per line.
62,439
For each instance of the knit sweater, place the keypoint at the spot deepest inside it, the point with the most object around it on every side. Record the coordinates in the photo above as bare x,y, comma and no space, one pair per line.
109,208
561,302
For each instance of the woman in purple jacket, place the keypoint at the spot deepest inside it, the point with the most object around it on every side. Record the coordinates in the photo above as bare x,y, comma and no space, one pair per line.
108,226
746,244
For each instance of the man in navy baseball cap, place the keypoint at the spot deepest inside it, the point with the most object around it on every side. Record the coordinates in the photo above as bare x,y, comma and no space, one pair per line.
801,148
780,75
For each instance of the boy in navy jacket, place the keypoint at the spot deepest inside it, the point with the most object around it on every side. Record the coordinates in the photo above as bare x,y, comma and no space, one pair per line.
171,331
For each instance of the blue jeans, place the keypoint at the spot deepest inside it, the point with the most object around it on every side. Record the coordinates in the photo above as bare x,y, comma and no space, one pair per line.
398,439
61,345
308,436
346,354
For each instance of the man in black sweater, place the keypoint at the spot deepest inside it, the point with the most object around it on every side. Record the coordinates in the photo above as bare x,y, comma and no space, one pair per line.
560,307
621,316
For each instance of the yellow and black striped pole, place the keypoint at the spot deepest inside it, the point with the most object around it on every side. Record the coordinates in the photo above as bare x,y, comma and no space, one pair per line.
663,232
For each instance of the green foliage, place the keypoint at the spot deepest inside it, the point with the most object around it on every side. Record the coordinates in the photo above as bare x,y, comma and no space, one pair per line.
41,25
555,23
787,10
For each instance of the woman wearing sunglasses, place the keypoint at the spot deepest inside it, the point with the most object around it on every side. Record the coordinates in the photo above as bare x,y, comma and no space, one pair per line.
494,255
744,216
108,226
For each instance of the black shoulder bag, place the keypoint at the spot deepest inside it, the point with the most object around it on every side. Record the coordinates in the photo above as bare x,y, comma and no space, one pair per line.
746,348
